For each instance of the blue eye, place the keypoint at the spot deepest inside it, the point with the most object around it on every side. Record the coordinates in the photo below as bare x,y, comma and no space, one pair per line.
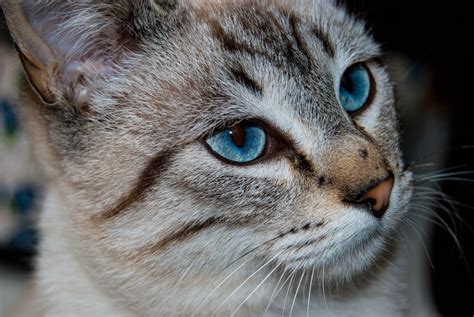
239,144
355,88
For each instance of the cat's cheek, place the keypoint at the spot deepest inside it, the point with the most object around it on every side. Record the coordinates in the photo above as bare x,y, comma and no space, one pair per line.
346,238
350,242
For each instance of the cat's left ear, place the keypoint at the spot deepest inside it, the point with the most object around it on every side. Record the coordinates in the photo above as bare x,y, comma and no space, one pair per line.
67,47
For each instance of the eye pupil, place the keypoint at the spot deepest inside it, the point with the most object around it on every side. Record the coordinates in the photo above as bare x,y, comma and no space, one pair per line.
240,144
238,135
355,88
347,84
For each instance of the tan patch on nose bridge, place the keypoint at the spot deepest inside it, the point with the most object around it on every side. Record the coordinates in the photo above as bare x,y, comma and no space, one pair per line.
354,164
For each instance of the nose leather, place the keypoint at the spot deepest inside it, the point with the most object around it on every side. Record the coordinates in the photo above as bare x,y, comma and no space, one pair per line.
377,198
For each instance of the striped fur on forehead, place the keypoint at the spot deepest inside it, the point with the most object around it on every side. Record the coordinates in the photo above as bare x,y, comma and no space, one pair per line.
246,61
323,17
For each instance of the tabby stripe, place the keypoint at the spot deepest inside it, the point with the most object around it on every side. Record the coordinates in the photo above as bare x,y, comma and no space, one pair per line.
300,44
241,76
154,168
186,232
229,42
327,46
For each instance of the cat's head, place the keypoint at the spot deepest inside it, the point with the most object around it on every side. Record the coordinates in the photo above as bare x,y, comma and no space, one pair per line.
192,138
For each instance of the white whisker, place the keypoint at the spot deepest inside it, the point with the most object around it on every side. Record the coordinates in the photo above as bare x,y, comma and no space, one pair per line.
245,281
255,289
275,292
287,292
324,290
296,293
309,294
220,284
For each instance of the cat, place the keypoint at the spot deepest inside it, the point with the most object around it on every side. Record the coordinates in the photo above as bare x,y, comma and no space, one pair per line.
212,158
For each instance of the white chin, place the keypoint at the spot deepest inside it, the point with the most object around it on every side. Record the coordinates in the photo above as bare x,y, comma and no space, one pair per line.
345,264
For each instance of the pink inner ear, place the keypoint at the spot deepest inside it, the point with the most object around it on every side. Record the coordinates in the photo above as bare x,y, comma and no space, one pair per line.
82,77
83,38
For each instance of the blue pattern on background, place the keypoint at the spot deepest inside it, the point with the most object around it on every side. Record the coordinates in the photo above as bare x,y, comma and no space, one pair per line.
25,240
21,200
24,199
9,118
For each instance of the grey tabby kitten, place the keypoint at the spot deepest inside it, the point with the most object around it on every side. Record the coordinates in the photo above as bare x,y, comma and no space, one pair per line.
212,158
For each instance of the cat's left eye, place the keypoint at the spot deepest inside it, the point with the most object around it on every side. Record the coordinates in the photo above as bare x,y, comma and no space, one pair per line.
240,144
355,88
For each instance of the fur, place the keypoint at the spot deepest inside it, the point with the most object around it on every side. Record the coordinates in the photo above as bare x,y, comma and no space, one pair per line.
141,219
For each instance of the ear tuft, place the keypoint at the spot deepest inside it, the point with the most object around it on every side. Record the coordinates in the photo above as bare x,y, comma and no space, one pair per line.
163,7
70,48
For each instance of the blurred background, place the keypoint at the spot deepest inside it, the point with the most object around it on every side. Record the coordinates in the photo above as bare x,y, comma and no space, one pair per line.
430,55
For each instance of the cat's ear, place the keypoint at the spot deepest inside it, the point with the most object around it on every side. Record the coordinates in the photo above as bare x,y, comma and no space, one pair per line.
67,46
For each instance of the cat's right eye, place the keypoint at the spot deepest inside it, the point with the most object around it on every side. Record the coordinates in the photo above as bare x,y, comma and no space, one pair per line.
242,143
355,88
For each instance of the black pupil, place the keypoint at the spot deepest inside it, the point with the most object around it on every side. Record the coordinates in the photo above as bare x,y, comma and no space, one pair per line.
347,83
238,135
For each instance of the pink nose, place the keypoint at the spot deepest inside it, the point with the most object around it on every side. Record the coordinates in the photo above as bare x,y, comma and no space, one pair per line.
377,198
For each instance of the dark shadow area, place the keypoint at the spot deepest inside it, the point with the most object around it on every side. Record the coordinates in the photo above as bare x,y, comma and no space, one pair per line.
439,36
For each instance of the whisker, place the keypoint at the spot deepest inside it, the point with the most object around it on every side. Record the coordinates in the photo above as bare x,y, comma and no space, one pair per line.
412,166
323,288
220,284
296,293
428,218
310,289
275,292
435,196
446,226
238,268
255,289
287,292
450,179
443,176
432,164
245,281
443,197
179,282
254,249
413,226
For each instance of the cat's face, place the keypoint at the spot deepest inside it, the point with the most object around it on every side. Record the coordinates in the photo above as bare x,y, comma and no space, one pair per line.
145,160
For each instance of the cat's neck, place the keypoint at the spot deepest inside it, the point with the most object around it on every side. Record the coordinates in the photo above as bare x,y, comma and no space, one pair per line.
65,288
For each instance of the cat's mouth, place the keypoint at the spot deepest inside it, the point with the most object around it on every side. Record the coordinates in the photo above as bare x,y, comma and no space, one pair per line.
325,249
336,262
351,242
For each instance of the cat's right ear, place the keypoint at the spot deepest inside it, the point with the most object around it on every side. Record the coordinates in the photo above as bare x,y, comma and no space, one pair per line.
67,47
39,60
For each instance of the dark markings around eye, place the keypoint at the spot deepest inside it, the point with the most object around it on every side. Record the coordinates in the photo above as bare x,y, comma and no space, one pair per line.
303,164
